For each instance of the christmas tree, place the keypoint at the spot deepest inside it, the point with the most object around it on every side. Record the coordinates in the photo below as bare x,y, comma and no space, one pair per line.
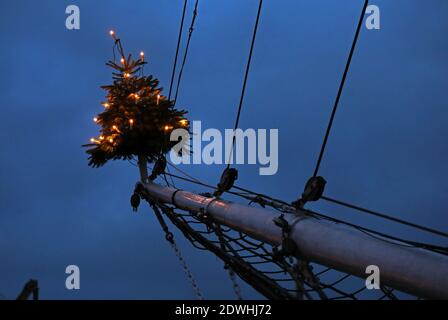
137,119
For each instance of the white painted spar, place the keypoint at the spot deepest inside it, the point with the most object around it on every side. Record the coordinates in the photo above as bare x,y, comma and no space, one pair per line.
412,270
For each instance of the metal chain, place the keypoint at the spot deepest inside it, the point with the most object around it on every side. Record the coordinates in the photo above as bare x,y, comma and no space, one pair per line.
236,287
187,270
170,238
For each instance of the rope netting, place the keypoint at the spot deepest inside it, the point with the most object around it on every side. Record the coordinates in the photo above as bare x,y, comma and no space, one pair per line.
256,262
285,278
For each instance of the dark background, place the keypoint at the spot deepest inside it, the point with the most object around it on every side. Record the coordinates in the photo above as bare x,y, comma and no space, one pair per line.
387,150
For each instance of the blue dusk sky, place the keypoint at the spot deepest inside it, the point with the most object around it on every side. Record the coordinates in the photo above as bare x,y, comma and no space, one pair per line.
387,150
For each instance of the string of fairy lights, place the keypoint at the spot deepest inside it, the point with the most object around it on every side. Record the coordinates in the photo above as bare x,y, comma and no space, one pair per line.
106,105
144,93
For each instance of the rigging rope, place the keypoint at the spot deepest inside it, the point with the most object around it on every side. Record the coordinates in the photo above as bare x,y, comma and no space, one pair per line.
341,87
286,207
190,33
381,215
177,48
172,181
245,81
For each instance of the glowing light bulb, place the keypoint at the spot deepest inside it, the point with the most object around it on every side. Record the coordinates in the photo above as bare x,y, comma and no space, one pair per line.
127,75
142,54
158,99
183,122
112,33
106,105
101,137
95,119
131,121
122,60
111,140
92,140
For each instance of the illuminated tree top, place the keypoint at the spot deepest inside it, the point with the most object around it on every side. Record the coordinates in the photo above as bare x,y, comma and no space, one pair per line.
137,119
